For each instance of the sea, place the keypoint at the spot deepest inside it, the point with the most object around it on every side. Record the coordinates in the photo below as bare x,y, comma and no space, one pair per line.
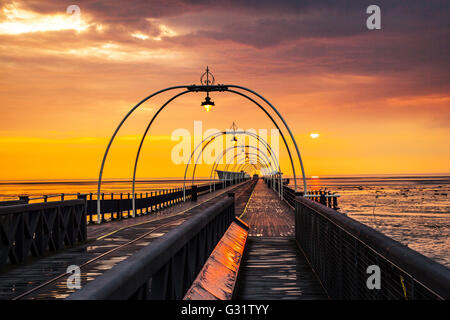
412,209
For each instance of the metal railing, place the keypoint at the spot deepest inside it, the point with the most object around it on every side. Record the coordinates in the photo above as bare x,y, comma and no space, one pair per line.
120,206
166,268
38,228
325,197
117,206
340,250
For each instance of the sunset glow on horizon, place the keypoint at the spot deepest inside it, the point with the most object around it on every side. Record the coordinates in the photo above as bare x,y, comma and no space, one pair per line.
379,100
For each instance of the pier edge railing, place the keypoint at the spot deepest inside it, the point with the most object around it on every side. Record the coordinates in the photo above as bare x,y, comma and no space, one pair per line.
118,206
122,208
33,230
166,268
340,250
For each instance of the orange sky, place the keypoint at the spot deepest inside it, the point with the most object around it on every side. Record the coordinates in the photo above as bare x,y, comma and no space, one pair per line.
379,99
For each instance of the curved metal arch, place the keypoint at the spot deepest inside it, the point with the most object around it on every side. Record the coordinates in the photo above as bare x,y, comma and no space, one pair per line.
272,154
259,160
274,176
215,165
184,188
213,170
105,155
232,91
235,158
237,165
133,201
219,158
285,124
194,89
279,130
278,175
265,161
216,134
246,165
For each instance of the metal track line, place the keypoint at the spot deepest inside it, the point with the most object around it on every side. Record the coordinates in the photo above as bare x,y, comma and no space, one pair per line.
62,275
89,262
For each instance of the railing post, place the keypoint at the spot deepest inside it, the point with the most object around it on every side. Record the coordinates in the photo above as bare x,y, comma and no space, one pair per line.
24,198
194,193
335,204
323,199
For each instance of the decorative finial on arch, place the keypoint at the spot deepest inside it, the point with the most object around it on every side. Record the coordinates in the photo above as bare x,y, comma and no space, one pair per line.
210,80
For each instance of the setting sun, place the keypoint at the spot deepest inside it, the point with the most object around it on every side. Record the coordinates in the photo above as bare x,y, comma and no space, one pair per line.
314,135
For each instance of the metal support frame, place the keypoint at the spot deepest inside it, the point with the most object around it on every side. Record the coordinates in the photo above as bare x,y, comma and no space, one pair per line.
215,165
214,136
235,147
197,88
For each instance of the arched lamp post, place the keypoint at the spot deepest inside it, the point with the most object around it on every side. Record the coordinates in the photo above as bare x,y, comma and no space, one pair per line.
207,85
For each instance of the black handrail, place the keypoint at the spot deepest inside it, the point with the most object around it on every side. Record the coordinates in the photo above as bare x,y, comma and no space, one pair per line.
38,228
166,268
340,249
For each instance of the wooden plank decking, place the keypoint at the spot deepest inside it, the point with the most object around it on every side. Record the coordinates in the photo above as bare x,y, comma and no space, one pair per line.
273,267
267,215
20,278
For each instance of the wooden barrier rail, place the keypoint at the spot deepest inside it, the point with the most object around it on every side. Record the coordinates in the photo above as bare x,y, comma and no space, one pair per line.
324,197
345,253
166,268
120,206
35,229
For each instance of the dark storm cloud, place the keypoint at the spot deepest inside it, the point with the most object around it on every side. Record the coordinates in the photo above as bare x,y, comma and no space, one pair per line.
326,36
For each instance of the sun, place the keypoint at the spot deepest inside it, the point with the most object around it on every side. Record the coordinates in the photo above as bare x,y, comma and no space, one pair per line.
314,135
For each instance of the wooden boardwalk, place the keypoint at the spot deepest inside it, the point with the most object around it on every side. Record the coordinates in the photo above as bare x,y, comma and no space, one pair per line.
273,267
267,215
102,238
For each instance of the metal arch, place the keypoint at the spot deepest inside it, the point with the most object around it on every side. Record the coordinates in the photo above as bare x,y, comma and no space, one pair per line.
259,160
220,88
287,127
275,176
238,167
114,135
272,154
194,88
276,125
142,142
225,151
240,159
247,165
235,158
241,166
215,165
255,167
214,135
237,164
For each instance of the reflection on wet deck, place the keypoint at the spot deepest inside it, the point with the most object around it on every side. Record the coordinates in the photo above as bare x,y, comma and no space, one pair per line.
274,268
104,237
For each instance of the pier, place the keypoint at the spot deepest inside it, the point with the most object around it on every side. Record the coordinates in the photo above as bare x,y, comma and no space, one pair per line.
308,251
249,235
